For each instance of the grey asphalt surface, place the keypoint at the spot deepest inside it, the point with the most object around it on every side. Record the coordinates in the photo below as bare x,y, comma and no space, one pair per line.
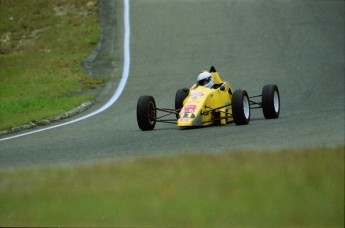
298,45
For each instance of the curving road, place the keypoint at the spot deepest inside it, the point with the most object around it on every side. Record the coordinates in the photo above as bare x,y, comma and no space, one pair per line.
298,45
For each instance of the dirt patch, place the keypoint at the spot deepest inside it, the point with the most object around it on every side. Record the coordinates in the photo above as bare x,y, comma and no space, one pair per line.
102,60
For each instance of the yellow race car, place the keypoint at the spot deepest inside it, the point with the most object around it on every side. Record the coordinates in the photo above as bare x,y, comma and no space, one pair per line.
201,106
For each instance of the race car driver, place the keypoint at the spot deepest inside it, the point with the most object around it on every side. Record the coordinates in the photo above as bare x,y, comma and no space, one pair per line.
205,79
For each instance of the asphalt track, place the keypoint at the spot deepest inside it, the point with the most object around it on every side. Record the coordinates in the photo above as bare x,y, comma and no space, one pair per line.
298,45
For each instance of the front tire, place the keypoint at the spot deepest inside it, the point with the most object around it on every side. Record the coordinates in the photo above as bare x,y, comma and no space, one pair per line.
181,95
240,107
270,101
146,113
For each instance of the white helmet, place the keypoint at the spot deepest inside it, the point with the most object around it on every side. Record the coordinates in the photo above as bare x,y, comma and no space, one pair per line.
206,79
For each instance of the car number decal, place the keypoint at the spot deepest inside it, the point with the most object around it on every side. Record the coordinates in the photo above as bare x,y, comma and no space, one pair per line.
188,115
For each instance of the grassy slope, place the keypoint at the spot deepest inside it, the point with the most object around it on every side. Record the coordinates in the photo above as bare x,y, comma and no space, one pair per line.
285,188
42,46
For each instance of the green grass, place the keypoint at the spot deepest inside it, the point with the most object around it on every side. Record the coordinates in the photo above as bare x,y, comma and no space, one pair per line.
301,188
42,46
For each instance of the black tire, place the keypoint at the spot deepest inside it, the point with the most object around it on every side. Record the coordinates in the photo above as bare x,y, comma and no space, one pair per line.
270,101
181,95
240,107
146,113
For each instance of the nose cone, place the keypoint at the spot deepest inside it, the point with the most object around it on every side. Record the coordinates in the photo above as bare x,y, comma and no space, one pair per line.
188,115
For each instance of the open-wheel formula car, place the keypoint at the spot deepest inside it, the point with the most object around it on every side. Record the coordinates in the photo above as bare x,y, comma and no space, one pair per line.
202,106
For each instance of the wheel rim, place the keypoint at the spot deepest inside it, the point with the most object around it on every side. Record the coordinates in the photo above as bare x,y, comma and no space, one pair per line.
246,108
152,113
276,102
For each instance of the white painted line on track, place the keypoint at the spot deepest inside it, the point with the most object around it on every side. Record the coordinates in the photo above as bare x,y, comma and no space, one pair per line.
120,88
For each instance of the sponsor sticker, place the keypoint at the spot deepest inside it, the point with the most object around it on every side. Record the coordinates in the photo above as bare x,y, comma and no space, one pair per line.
189,108
197,94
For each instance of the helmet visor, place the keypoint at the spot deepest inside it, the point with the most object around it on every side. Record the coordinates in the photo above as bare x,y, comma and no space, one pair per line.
204,81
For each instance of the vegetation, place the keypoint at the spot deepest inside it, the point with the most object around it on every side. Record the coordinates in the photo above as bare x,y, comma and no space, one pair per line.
302,188
42,45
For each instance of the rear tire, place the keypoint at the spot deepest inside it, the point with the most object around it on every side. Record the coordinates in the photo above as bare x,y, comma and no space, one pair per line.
181,95
146,113
270,101
240,107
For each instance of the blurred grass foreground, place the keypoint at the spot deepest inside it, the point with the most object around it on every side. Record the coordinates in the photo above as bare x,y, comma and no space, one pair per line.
42,45
301,188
